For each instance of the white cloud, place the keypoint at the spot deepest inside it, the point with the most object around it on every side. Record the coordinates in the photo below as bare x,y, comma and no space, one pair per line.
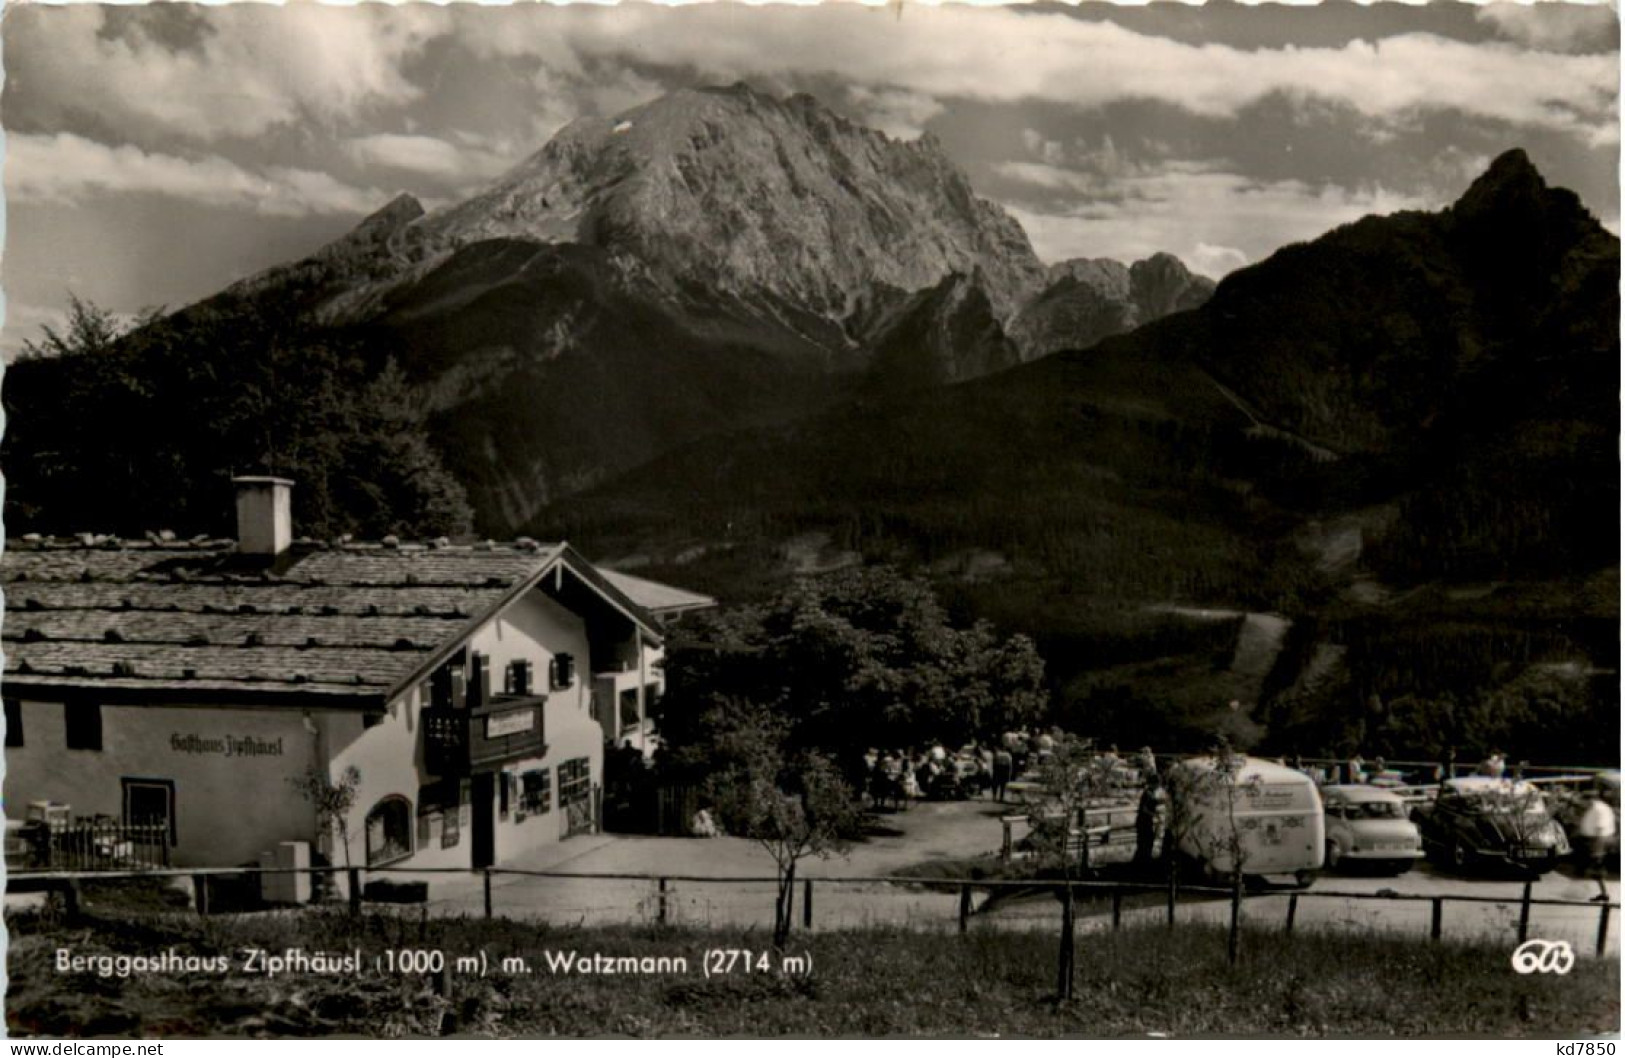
255,68
1215,221
428,156
1006,55
261,67
899,114
1552,26
1215,261
65,169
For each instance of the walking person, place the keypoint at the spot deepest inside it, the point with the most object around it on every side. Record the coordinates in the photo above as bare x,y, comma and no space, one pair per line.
1003,768
1598,827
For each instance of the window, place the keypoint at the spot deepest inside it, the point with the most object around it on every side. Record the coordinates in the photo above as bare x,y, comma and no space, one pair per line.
563,671
629,708
575,781
537,791
14,723
439,806
389,831
84,720
150,803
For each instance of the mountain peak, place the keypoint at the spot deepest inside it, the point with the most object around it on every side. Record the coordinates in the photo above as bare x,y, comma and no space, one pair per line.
750,193
1511,181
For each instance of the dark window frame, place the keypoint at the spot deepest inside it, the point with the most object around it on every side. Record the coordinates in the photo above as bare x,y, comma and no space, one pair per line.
127,781
82,726
380,859
536,794
14,723
575,781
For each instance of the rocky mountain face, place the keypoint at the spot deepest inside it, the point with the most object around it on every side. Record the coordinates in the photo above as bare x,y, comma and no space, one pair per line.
744,193
1086,300
715,259
1401,437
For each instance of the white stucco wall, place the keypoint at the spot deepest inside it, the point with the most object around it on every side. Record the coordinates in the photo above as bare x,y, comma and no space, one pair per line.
389,755
228,808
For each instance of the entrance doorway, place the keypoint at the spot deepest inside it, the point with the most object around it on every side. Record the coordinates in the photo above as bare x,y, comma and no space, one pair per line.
483,795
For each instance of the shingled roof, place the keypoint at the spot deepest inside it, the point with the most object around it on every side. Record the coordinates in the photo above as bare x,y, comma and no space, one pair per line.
342,624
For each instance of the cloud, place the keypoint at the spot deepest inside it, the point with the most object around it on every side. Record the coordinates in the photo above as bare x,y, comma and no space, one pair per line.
64,169
1007,55
255,67
252,68
427,156
1215,261
1214,220
1560,27
898,113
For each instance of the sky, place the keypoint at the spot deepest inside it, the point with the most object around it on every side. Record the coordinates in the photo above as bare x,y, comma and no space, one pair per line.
154,154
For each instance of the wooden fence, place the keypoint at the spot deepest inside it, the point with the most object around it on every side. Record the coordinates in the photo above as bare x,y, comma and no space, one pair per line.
67,883
88,845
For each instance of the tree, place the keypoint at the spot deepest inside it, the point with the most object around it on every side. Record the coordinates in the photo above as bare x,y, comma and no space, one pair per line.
863,657
221,388
1071,780
332,800
1202,799
91,331
793,803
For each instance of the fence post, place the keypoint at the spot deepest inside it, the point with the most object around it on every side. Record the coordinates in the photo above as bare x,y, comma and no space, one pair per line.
1117,909
1291,911
1602,930
71,904
488,908
1523,914
660,906
964,908
1438,918
1008,850
806,904
354,874
1234,945
200,892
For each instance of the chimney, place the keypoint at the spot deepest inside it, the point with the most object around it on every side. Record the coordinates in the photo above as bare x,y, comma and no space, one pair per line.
264,515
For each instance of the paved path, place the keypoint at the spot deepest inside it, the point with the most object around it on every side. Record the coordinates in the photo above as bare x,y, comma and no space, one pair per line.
959,830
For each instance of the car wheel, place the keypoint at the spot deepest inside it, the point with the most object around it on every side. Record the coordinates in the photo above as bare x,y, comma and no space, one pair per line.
1304,879
1459,856
1334,855
1403,867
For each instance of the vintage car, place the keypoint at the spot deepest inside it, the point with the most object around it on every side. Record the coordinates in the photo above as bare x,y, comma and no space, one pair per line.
1369,826
1481,821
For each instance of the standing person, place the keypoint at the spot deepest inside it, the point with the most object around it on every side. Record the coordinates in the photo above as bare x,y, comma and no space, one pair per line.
1003,768
1145,821
1597,828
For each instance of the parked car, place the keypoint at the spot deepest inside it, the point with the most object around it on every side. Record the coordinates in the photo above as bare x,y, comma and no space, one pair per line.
1481,820
1369,826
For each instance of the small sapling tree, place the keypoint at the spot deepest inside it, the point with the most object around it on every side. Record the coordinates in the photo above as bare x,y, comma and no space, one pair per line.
332,799
793,803
1070,781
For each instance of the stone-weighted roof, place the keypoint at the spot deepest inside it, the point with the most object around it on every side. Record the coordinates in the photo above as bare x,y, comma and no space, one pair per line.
169,619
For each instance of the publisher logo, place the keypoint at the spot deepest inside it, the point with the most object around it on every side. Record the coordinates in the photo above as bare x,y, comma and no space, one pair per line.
1538,956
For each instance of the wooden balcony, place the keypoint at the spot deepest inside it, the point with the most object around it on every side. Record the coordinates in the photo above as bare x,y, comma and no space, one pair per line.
482,738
